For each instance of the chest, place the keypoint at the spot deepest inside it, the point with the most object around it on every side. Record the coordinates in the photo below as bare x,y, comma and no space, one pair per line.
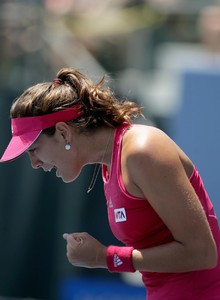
133,221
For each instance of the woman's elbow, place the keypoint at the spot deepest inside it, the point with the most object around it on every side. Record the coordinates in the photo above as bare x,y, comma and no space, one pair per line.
205,255
211,256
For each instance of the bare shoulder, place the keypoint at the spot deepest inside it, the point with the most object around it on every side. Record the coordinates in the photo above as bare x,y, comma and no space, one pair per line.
148,141
149,155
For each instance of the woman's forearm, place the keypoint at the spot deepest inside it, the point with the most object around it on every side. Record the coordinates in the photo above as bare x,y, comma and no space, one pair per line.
175,257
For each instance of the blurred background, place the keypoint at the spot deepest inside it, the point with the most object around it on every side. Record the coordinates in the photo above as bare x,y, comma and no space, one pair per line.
164,54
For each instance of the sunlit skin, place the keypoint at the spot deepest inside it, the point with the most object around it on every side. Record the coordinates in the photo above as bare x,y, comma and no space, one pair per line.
153,167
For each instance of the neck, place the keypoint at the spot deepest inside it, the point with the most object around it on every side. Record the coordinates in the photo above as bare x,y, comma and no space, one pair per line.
104,156
100,144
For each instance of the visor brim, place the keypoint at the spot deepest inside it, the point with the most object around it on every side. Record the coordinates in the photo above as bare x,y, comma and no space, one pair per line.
18,145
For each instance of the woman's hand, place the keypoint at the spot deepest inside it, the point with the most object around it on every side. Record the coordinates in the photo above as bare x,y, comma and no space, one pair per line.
83,250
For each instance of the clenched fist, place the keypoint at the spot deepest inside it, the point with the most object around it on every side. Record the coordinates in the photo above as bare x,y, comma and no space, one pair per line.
83,250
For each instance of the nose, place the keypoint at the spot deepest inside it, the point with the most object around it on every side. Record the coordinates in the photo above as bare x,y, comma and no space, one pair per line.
35,162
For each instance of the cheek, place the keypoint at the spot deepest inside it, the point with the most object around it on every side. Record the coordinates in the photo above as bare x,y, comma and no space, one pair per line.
58,155
72,171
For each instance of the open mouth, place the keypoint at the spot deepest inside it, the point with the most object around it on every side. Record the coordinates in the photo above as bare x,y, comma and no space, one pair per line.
50,169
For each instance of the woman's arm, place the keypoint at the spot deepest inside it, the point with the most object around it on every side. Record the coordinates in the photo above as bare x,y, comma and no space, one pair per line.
155,168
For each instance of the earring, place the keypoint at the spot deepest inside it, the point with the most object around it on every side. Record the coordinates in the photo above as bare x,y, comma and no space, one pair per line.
67,147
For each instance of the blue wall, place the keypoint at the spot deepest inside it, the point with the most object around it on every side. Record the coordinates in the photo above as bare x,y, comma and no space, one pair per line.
196,127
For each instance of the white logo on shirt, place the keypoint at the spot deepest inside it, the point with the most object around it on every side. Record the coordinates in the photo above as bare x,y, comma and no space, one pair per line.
120,215
110,203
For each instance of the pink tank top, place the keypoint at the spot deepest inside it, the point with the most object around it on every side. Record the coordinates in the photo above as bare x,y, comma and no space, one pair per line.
134,222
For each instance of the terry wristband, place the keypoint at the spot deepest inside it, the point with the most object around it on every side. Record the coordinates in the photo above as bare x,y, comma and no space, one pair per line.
119,259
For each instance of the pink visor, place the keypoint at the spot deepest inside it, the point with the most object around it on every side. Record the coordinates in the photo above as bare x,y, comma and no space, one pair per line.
26,130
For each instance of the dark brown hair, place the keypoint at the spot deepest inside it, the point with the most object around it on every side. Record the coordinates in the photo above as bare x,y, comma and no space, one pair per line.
99,104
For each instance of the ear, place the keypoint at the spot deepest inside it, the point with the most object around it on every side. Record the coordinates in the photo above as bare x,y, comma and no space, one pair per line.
63,131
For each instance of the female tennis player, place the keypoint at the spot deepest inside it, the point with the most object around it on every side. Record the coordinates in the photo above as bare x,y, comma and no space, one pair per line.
156,201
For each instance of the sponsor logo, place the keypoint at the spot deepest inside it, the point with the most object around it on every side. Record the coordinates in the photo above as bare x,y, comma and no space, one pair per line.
117,261
110,205
120,215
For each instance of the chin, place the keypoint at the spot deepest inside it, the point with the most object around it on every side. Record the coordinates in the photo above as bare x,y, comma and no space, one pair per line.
66,180
69,180
68,177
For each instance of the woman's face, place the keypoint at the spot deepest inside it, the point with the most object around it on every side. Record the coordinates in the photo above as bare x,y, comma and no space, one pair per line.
48,153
